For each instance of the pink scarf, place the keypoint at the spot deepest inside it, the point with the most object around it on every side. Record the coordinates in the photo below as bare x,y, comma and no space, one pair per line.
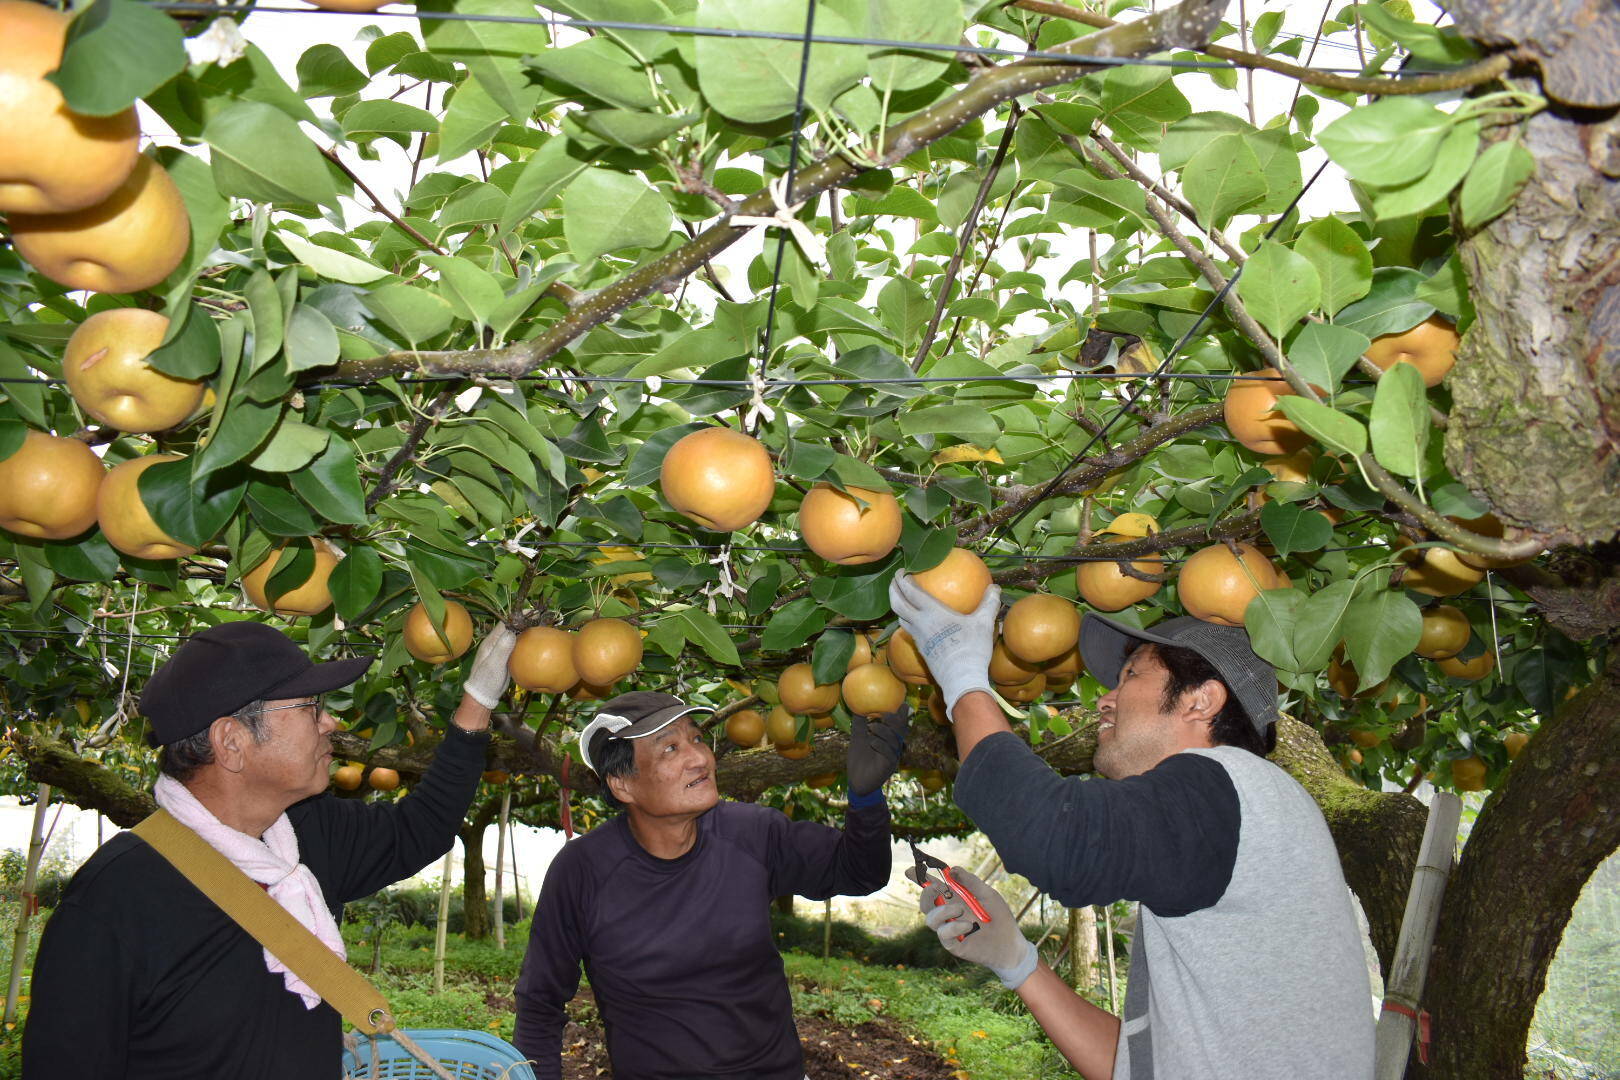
272,862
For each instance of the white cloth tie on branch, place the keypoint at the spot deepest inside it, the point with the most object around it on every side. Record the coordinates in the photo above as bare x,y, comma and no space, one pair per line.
271,861
222,44
756,405
783,218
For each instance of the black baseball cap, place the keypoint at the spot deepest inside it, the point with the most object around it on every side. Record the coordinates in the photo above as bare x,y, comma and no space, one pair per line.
631,716
1104,644
225,667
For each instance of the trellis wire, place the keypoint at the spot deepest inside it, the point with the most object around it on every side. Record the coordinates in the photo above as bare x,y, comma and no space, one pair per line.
783,236
960,380
1170,355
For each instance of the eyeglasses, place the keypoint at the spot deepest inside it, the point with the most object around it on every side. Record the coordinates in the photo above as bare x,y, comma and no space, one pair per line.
318,701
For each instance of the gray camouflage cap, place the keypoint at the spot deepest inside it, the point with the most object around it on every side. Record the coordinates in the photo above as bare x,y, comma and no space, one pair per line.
1104,643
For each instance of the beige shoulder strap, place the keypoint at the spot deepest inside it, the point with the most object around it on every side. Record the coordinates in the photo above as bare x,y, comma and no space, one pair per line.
270,924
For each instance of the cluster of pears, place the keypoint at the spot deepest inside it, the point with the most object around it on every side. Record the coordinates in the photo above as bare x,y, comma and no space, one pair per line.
583,663
83,205
724,480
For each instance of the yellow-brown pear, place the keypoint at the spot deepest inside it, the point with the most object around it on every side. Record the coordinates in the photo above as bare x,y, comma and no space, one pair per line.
906,660
125,521
800,693
1106,587
131,241
52,160
958,581
606,650
720,478
872,690
311,598
107,373
1216,585
542,660
423,641
1040,627
48,487
849,527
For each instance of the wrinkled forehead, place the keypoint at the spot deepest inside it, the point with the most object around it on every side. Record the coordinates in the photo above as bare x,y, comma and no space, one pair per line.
676,731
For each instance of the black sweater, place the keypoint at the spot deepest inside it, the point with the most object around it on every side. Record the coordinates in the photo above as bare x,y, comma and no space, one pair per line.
679,952
140,975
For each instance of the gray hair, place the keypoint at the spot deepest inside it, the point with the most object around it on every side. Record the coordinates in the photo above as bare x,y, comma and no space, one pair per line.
182,758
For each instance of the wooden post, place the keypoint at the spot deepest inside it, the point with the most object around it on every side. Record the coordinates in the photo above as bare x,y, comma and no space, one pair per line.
517,878
19,940
1407,972
1082,948
500,869
442,930
1108,938
826,930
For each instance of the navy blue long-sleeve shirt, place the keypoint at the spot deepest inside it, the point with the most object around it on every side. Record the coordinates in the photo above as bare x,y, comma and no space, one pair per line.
139,975
679,952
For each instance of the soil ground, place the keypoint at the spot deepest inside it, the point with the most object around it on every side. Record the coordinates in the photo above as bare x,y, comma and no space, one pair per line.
832,1051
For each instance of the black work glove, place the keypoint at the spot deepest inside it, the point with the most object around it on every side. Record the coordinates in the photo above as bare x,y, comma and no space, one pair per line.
874,749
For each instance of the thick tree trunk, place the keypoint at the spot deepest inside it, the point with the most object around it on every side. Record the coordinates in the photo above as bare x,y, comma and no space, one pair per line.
475,923
1535,424
1539,838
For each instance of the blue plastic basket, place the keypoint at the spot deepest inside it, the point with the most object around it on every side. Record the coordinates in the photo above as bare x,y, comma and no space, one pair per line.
466,1055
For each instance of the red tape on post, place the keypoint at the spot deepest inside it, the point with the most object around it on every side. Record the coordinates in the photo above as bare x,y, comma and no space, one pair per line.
1424,1030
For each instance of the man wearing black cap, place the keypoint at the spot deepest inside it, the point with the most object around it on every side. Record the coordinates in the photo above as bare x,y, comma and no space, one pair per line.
668,905
139,974
1246,961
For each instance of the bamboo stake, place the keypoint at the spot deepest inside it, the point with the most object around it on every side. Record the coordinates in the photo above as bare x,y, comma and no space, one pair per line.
19,940
441,931
1108,938
826,930
1074,949
1407,972
517,878
500,869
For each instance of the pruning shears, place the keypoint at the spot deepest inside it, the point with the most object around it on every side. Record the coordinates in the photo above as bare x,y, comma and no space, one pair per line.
919,874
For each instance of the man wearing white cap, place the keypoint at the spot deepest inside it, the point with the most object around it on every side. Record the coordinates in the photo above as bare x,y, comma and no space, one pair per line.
1246,962
668,905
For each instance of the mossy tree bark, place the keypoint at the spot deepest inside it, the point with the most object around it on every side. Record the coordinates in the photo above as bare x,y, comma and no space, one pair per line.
1539,838
476,922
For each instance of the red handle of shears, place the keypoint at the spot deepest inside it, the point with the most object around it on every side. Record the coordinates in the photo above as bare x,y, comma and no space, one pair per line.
967,898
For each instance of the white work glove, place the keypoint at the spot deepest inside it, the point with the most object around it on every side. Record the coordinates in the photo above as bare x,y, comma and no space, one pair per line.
998,945
487,681
956,646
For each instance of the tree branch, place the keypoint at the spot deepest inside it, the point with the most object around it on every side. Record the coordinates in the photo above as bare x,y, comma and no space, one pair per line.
1188,24
377,204
419,426
966,237
1492,67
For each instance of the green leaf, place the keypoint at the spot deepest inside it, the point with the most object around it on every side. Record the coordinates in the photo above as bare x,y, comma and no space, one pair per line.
1380,627
245,428
862,596
1342,261
28,398
966,422
1392,141
472,291
852,472
607,211
259,153
648,459
905,309
1321,624
117,51
414,313
1138,101
277,512
193,353
1265,30
327,263
1223,178
705,630
380,116
492,51
1333,429
190,507
1271,619
469,120
269,321
291,567
355,582
324,71
547,171
312,340
331,485
1390,307
754,80
1400,421
1279,287
794,625
829,660
1451,163
632,129
1494,182
89,559
293,446
807,461
600,67
1293,528
1324,352
910,20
